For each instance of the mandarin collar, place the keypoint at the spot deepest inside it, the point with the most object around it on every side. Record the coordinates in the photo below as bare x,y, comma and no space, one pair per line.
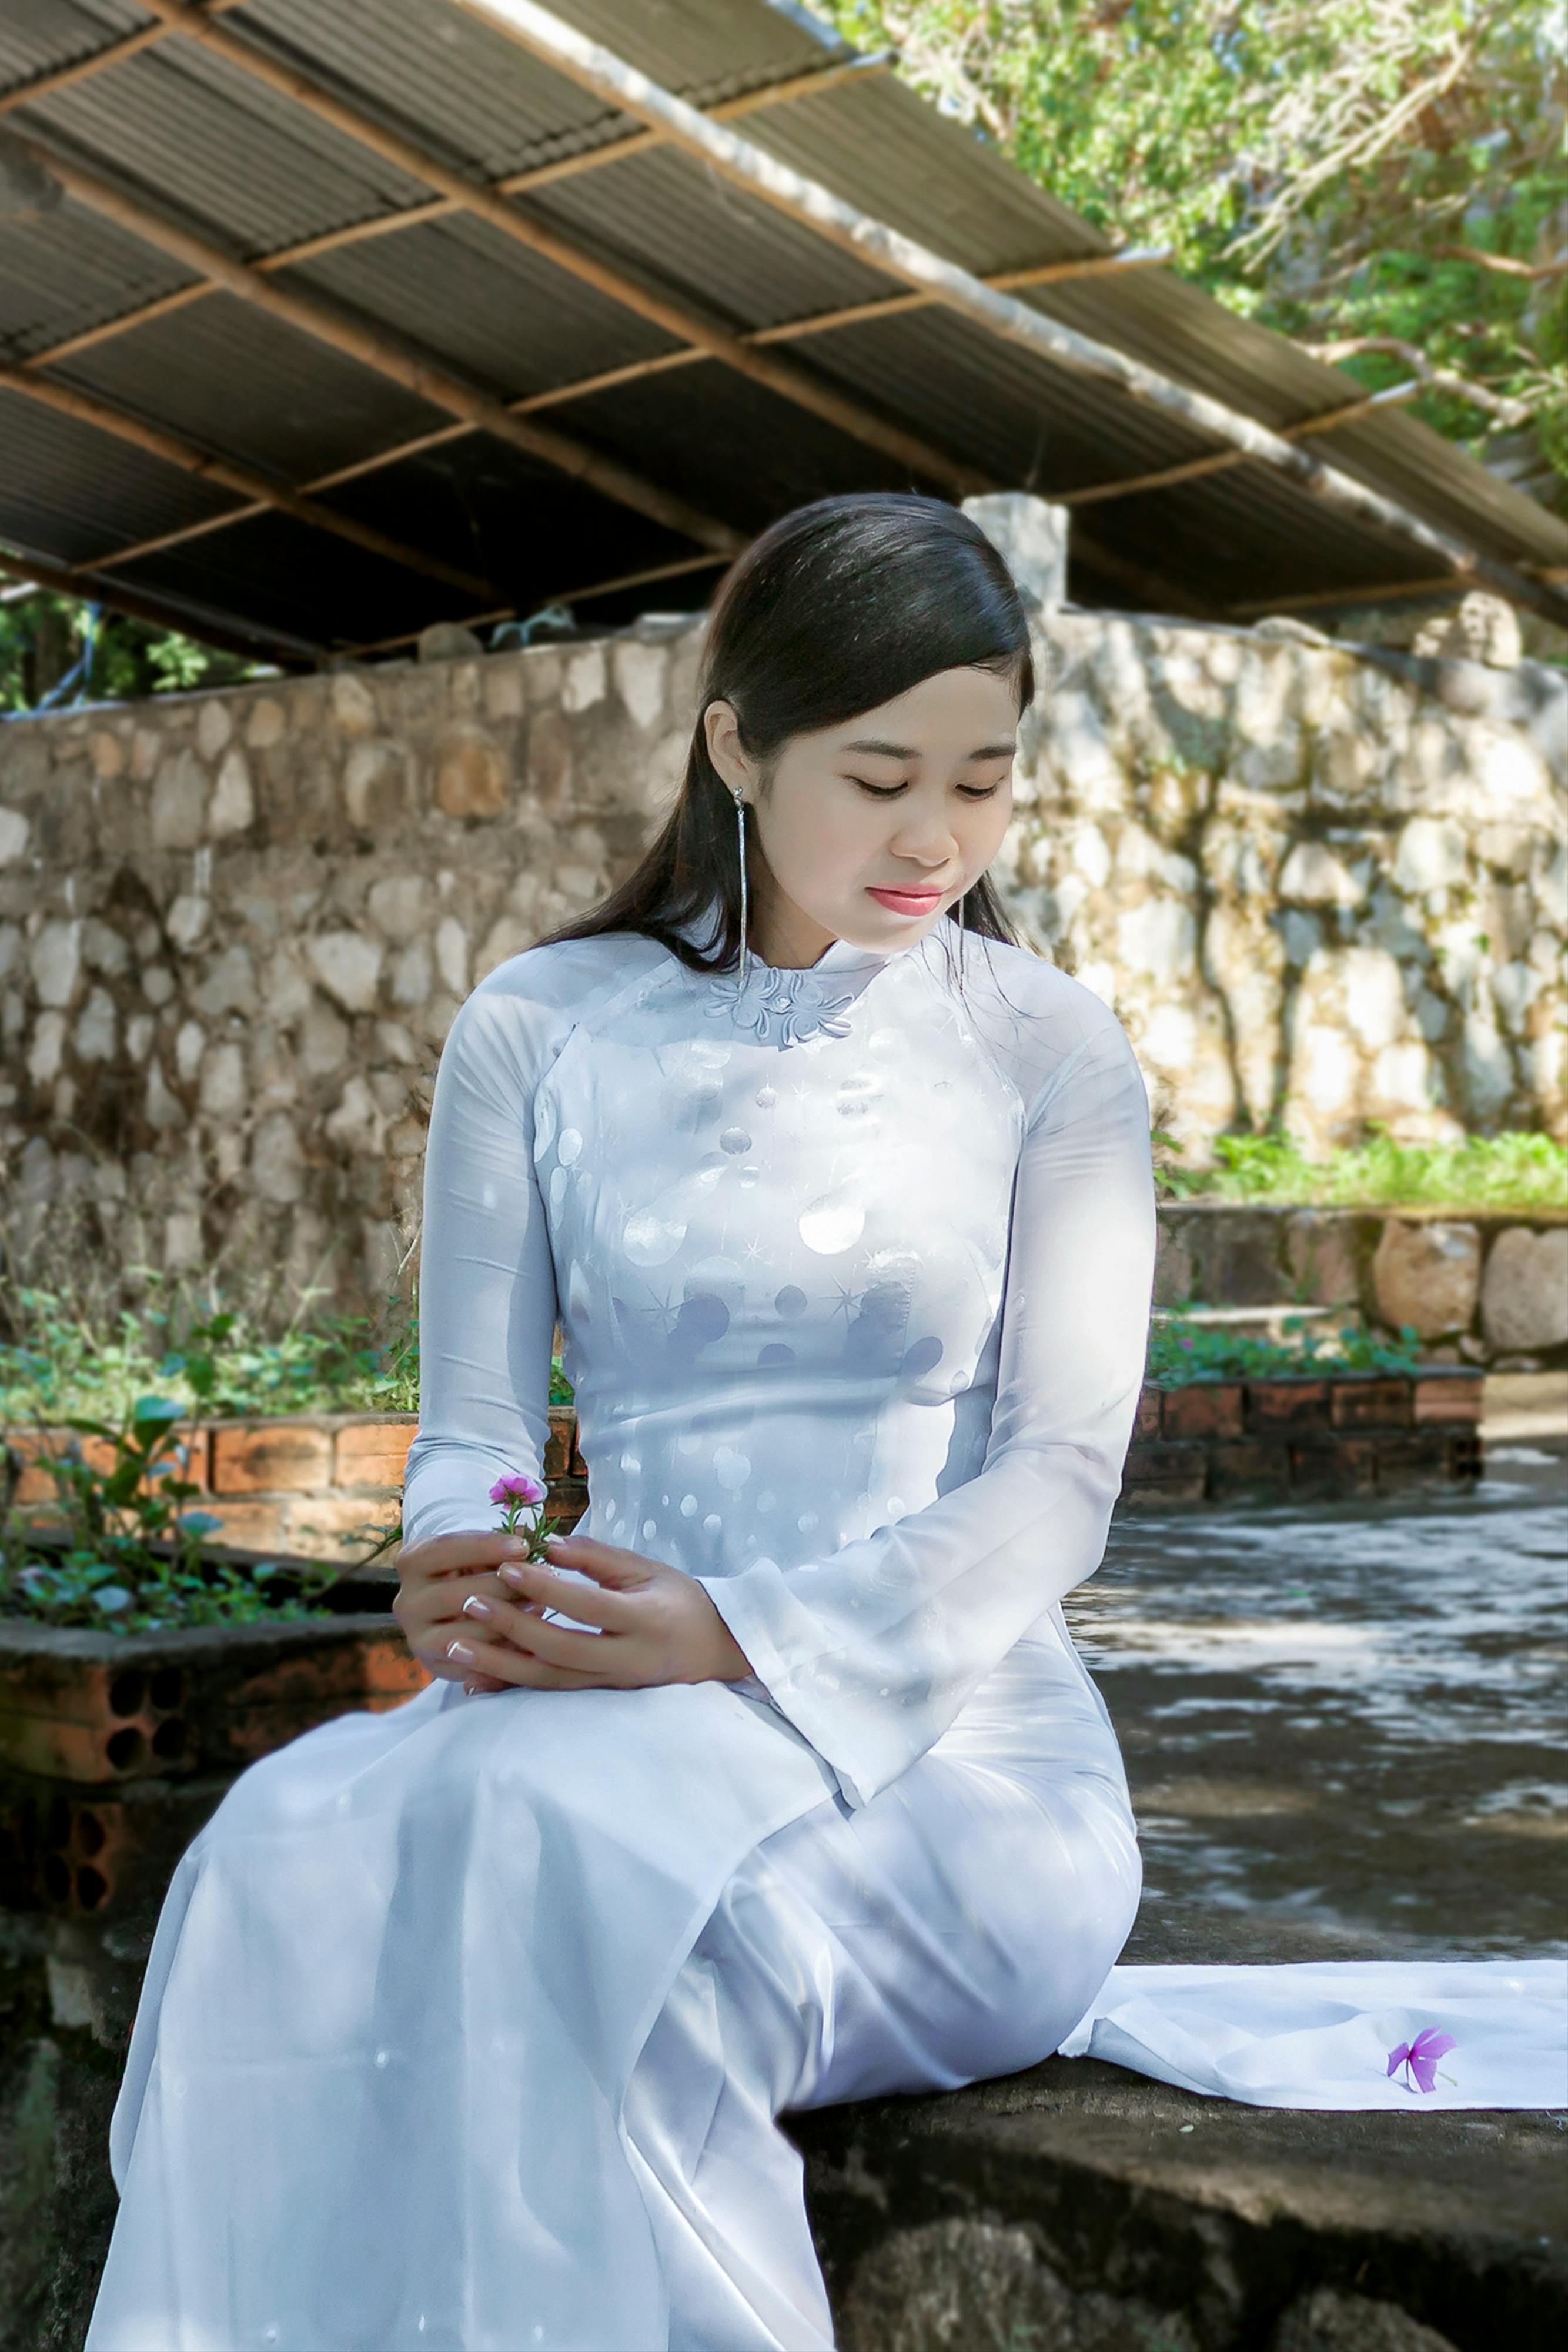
841,956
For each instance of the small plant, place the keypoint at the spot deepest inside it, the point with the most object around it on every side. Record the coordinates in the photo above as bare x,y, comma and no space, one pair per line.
133,1558
1519,1170
1181,1351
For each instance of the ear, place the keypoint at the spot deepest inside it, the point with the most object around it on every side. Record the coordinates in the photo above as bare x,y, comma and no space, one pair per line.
721,727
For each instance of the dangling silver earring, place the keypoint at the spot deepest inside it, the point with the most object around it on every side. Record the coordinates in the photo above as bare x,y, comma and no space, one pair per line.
963,902
744,912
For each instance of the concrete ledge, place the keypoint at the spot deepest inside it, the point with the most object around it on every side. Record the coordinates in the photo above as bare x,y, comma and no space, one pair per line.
1081,2207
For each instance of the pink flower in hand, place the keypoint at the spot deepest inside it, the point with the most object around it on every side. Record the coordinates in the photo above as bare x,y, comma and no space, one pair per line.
516,1486
1420,2058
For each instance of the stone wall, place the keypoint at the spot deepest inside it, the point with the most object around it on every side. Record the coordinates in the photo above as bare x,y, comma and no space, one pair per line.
235,928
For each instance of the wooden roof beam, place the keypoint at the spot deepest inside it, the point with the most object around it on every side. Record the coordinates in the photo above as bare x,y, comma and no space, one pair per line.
262,495
426,377
227,631
781,376
839,223
514,183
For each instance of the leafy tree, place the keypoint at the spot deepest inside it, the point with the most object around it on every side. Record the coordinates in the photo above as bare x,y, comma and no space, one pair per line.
1385,181
45,638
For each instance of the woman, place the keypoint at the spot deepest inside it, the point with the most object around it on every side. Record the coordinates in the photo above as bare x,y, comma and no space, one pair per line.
467,2026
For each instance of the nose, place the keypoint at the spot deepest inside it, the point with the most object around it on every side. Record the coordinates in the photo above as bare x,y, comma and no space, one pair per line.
926,842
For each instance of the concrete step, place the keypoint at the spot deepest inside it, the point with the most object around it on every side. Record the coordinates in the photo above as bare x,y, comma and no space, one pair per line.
1082,2208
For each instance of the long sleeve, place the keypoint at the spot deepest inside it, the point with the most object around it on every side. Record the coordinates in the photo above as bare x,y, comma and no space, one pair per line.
487,1294
871,1651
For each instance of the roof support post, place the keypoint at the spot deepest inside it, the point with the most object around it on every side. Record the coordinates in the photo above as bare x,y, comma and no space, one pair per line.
830,218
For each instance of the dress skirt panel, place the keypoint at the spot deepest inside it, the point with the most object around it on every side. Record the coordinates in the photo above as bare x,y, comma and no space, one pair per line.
378,2097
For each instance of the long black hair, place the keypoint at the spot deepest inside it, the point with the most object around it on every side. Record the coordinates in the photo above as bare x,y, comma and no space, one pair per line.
839,607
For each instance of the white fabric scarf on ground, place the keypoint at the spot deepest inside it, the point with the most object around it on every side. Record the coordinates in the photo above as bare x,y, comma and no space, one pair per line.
1320,2034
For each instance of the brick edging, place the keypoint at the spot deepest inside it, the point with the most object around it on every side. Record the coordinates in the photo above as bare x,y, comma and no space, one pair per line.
308,1482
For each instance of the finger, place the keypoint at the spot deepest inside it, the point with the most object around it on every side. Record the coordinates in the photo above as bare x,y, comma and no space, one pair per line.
515,1667
608,1564
527,1581
437,1604
460,1554
556,1643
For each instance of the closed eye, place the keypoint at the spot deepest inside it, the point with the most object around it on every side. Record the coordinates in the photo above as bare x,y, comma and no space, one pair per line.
892,791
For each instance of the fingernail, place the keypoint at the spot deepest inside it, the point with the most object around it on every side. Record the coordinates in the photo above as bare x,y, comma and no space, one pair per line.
554,1543
510,1576
461,1652
474,1607
515,1545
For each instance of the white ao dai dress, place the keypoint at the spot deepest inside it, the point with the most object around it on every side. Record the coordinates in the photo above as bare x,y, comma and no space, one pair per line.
466,2027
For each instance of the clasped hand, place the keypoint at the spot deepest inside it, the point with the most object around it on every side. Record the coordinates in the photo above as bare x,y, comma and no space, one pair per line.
472,1611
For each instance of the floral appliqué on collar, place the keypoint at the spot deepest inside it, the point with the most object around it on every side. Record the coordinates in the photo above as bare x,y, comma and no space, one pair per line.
783,1008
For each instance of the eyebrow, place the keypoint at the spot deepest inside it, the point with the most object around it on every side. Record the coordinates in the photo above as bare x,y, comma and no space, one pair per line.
907,751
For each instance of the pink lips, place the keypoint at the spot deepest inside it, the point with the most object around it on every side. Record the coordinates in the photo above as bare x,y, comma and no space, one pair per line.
907,902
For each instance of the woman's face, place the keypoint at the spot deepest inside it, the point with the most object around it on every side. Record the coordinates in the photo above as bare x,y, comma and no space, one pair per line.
870,831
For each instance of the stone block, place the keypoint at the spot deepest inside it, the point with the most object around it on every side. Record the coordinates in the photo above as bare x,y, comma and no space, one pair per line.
1525,1294
1370,1405
473,774
353,704
1427,1277
448,641
1329,2321
1289,1404
281,1457
1031,536
1208,1410
1321,1257
373,1453
1235,1255
349,967
179,803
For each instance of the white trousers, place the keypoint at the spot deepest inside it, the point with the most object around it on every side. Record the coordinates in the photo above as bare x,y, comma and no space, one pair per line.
956,1928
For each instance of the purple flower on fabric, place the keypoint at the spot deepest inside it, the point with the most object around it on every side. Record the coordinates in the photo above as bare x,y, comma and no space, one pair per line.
516,1486
1420,2058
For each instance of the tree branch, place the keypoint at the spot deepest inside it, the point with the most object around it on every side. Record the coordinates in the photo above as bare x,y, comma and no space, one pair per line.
1508,411
1504,263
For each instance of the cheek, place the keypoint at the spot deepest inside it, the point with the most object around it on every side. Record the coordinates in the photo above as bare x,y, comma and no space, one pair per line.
814,833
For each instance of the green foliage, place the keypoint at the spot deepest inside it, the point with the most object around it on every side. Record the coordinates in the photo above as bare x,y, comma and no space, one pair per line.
1515,1170
1385,181
43,635
65,1358
68,1356
133,1558
1181,1351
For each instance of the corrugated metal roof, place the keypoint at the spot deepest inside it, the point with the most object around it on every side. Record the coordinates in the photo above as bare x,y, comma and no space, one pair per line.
197,140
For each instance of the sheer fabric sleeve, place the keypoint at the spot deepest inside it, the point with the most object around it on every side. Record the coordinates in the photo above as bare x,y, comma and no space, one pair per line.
487,1291
871,1651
